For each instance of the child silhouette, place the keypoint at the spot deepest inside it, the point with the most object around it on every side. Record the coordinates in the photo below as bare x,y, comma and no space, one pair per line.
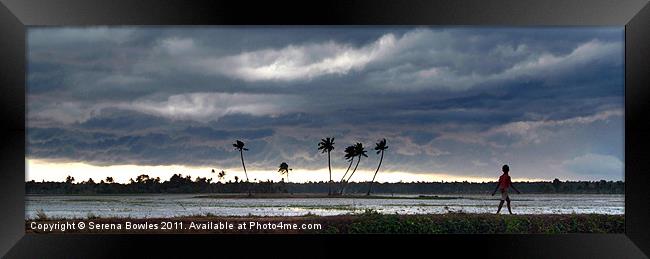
504,183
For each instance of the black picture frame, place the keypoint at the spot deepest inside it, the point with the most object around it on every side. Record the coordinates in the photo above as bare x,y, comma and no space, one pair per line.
15,15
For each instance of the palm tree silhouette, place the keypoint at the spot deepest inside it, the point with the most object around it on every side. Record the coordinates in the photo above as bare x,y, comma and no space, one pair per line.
380,147
284,169
220,175
327,145
359,151
239,145
349,155
109,179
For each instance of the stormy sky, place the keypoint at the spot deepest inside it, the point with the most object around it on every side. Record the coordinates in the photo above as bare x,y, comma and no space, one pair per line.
454,101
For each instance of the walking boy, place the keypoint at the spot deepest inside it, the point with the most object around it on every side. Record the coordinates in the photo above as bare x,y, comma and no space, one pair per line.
504,183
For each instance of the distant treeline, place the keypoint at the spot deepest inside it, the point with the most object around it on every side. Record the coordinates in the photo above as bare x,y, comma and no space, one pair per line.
185,184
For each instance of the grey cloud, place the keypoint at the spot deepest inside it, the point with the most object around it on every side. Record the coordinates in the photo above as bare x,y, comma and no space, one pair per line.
595,164
456,100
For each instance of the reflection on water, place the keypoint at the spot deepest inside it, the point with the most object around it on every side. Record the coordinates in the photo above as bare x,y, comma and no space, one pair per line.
170,205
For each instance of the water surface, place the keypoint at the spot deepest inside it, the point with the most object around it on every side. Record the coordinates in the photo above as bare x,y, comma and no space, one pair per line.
170,205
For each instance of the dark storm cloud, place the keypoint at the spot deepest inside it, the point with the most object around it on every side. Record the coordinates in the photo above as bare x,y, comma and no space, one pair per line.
452,99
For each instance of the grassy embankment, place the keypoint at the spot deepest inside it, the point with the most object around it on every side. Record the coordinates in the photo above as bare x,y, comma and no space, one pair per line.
373,222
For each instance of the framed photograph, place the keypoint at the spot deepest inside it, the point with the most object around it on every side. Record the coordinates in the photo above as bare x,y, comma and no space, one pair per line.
518,128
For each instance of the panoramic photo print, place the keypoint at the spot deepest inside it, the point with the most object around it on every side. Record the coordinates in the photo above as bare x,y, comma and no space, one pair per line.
325,129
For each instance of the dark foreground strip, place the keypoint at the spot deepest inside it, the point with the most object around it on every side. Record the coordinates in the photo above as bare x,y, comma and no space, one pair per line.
369,222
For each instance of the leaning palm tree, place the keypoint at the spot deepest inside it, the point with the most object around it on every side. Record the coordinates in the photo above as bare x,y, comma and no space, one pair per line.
380,147
284,169
359,151
327,145
349,155
239,145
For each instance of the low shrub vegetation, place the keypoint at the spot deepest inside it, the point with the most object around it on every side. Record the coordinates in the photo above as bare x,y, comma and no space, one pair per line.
461,223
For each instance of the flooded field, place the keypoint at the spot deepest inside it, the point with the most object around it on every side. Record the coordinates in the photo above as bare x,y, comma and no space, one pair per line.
171,205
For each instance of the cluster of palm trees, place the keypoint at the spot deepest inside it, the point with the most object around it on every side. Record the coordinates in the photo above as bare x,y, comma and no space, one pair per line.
326,145
358,151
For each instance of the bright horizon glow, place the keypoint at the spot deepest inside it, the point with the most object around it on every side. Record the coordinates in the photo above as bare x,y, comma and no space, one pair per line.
42,170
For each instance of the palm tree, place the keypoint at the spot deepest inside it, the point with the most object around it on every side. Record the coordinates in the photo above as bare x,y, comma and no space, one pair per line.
221,175
359,151
284,169
380,147
240,147
109,179
349,155
327,145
